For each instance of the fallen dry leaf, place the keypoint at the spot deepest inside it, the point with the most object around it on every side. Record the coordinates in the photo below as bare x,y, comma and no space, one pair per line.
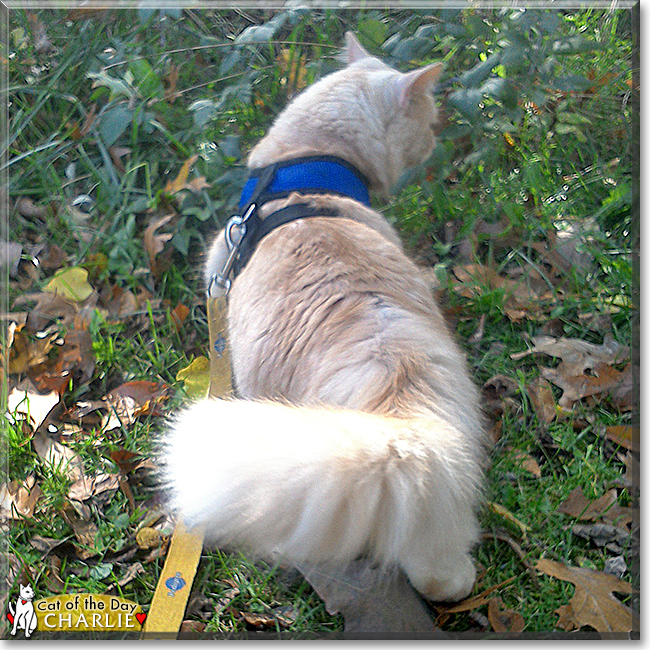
527,462
132,572
260,621
632,471
614,539
87,487
196,377
576,505
542,399
53,580
18,499
60,457
523,298
71,283
27,351
226,598
473,602
10,253
593,602
85,532
148,537
25,402
179,314
191,629
29,209
623,396
49,307
197,184
500,510
154,243
117,153
75,359
602,379
180,182
11,573
579,355
45,544
498,394
133,399
123,303
171,79
623,436
503,619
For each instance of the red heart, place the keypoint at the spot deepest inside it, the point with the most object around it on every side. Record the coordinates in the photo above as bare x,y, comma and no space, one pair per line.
23,602
141,617
10,616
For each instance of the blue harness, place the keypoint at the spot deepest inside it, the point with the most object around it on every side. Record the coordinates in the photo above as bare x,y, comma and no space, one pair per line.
308,175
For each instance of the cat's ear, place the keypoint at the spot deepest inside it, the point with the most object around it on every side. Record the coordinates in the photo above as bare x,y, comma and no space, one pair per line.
353,49
417,82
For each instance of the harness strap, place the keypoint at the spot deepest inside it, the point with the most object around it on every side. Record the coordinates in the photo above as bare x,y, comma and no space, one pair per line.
257,229
308,175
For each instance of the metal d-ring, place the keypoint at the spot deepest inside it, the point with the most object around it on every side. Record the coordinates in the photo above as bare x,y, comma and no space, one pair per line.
240,222
221,279
234,221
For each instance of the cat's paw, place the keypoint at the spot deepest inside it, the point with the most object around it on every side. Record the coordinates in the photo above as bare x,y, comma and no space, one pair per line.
451,587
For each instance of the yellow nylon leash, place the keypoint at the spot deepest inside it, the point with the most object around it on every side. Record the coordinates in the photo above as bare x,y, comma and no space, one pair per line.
175,583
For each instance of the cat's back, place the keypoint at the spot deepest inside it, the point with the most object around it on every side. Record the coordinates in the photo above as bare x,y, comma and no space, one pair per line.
326,309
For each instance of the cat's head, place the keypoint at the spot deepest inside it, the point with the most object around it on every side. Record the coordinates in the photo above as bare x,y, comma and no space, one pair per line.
403,103
374,116
26,592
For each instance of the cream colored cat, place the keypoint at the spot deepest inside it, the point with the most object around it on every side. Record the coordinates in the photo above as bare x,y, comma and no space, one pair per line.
357,432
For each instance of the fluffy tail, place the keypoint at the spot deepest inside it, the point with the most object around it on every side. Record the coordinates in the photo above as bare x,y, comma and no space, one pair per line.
316,485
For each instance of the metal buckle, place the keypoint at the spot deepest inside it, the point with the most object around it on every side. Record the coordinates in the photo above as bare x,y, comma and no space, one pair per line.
222,279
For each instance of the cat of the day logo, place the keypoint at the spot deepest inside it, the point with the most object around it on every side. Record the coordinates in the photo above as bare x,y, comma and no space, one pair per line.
83,612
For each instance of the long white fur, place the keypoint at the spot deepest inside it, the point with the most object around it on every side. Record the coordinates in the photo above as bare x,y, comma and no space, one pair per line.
309,485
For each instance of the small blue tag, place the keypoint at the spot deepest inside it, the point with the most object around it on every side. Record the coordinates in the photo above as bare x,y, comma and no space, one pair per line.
174,584
219,345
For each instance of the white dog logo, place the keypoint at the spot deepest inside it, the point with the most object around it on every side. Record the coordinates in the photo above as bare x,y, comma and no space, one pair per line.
24,616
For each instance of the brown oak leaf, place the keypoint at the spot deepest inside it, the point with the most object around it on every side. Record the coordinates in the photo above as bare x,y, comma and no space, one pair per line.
503,619
593,603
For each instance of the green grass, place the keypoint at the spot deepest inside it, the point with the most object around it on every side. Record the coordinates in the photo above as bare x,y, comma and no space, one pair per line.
499,182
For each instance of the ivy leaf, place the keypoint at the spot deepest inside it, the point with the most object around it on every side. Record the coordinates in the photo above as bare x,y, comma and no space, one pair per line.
203,110
372,31
229,62
146,80
573,45
466,101
261,33
116,87
573,83
474,76
573,118
113,123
